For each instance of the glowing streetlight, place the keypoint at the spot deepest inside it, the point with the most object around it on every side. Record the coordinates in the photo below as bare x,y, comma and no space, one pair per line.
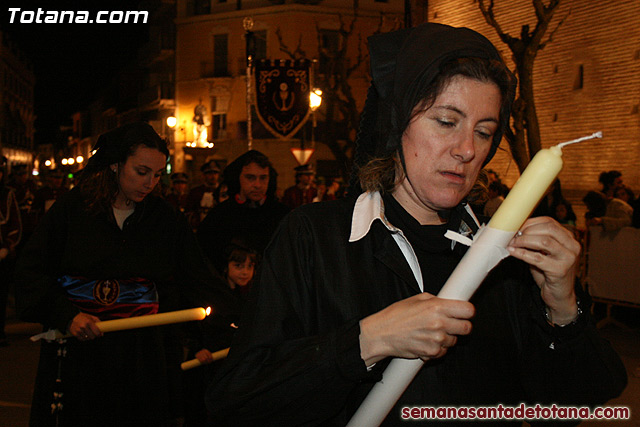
315,100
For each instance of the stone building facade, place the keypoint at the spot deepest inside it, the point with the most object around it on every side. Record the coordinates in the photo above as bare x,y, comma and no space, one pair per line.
211,69
17,117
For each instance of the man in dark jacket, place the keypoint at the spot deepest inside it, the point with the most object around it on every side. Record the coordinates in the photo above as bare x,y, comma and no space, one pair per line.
250,214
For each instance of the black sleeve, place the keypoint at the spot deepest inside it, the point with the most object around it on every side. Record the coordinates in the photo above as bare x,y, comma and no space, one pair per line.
281,370
571,365
39,298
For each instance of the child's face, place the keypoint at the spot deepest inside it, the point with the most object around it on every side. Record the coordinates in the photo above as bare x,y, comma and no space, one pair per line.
240,273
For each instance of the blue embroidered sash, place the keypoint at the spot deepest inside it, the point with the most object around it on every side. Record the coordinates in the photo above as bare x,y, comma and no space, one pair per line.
112,298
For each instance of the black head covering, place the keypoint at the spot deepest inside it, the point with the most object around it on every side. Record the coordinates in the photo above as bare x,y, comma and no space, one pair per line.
402,62
114,146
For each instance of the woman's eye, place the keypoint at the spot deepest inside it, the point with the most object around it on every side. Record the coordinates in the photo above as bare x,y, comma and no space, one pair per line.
445,123
484,135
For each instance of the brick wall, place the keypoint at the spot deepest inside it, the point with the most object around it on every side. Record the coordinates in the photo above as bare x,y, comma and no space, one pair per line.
604,38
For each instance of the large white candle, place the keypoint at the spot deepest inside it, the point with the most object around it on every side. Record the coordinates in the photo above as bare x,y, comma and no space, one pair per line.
528,190
194,363
486,251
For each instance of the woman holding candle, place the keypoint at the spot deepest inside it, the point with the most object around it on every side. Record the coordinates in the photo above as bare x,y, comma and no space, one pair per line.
111,249
348,285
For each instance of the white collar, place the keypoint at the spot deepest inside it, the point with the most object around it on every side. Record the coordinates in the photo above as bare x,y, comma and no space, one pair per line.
368,208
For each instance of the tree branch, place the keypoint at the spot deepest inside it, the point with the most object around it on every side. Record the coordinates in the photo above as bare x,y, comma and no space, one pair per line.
296,54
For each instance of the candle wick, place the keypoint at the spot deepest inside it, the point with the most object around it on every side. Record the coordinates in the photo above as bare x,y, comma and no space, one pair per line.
584,138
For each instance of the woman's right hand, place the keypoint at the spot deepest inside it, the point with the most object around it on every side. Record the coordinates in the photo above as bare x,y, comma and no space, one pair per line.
422,326
84,327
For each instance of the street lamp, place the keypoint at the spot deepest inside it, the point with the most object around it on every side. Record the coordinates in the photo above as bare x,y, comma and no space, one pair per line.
315,100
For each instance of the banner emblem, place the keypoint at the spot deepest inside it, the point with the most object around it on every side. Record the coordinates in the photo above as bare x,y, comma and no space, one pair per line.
106,292
282,95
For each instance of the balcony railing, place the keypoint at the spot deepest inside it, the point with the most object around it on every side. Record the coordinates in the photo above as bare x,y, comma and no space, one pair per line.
165,91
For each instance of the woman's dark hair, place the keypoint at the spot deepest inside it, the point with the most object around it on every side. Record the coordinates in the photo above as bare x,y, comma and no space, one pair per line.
382,173
596,203
97,181
607,179
231,174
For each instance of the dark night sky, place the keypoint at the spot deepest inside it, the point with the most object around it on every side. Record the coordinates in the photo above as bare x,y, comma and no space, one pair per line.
71,61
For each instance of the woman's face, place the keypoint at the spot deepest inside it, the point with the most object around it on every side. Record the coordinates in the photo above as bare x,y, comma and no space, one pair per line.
139,174
445,146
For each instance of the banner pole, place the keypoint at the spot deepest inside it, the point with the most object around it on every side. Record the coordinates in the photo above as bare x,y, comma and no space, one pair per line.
247,23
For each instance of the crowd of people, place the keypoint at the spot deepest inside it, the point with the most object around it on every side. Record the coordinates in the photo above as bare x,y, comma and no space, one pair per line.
314,299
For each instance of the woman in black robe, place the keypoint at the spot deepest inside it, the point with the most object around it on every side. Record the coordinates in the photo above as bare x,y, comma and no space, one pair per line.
111,249
348,285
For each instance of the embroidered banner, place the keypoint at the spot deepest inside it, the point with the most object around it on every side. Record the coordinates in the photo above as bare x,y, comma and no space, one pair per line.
282,95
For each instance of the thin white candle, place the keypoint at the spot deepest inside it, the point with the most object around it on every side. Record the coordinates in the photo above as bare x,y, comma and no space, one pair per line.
137,322
194,363
486,251
158,319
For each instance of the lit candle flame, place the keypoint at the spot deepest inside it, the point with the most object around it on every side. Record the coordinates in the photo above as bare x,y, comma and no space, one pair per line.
208,311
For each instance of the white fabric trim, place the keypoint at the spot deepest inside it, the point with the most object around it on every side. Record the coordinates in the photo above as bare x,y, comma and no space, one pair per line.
370,207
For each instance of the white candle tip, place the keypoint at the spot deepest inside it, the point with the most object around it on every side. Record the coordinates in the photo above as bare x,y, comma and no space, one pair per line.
584,138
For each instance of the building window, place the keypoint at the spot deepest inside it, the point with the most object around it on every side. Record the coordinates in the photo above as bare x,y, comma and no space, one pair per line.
220,55
219,125
201,7
330,40
579,82
219,106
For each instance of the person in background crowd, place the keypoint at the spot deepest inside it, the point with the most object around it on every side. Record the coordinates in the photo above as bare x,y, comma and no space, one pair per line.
251,214
108,249
24,188
202,197
564,213
610,181
46,195
216,335
612,214
304,191
10,235
625,194
321,191
177,197
495,198
345,286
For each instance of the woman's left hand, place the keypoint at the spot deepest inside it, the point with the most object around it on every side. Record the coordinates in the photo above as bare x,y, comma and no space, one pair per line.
553,253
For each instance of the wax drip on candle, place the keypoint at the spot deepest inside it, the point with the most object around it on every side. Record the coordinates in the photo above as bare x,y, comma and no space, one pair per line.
584,138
